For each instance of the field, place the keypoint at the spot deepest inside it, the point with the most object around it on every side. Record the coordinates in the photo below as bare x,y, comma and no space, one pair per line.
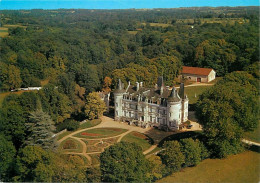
4,29
98,133
138,138
193,92
222,21
255,135
242,168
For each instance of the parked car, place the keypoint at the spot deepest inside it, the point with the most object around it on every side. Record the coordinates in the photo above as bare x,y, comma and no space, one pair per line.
189,127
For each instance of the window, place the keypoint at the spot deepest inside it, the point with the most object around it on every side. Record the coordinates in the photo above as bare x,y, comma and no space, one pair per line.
129,114
151,118
151,109
136,107
117,113
116,104
170,114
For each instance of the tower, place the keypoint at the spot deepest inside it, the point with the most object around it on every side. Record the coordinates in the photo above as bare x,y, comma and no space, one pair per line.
118,97
174,107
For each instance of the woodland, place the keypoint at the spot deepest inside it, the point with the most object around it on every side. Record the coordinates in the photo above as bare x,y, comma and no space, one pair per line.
72,53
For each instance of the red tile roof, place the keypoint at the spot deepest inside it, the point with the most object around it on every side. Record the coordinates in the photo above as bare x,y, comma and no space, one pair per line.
196,70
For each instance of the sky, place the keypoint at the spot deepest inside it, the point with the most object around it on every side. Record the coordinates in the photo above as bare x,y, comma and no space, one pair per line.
119,4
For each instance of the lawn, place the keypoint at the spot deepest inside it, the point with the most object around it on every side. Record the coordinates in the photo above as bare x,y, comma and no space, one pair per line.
98,133
254,135
70,145
3,31
89,124
193,92
242,168
140,139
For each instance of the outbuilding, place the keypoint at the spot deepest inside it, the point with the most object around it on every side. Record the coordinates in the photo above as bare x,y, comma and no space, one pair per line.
197,74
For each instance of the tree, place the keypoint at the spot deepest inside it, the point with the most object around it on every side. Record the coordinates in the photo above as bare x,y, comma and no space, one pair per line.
56,104
34,164
95,107
40,128
7,155
107,84
191,150
69,169
124,162
227,110
12,123
217,54
172,156
156,167
93,174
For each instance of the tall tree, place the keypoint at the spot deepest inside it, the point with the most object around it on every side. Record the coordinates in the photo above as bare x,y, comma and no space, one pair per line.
40,128
34,164
172,156
95,107
7,158
227,110
124,162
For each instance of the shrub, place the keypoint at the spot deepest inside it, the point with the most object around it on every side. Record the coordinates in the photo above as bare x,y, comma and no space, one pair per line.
68,124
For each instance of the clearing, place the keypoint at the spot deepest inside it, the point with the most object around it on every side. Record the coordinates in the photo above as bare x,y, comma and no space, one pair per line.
238,168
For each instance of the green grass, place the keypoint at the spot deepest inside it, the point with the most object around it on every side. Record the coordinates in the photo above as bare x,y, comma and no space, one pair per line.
239,168
77,149
101,133
145,142
89,124
254,135
154,151
64,134
157,24
193,92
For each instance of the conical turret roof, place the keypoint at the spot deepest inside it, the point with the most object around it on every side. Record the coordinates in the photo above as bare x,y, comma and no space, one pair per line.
173,97
119,87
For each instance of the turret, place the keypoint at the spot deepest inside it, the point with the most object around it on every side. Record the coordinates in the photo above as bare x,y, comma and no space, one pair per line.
174,106
118,97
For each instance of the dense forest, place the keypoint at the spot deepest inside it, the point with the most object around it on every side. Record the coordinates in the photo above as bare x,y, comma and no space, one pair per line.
72,53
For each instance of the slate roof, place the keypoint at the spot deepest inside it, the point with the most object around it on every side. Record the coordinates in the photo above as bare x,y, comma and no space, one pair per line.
196,70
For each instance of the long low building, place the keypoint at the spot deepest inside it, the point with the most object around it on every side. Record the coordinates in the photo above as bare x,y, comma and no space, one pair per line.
158,106
197,74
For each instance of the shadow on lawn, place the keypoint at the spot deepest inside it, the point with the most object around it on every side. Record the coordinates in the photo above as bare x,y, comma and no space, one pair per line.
254,148
183,135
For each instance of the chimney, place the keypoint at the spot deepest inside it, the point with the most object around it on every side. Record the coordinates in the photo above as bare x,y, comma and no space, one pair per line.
141,84
129,83
182,90
137,86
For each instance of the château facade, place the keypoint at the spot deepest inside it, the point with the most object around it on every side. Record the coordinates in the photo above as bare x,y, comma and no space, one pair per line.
158,106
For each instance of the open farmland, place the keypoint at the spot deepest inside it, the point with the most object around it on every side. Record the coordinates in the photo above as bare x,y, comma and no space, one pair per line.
239,168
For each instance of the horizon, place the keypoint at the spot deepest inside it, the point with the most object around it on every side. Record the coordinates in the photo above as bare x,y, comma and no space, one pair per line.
118,4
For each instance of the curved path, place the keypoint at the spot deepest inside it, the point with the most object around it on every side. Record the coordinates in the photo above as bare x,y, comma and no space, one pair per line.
156,135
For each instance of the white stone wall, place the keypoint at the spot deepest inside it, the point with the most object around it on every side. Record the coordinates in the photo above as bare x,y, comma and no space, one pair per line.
211,76
118,97
174,114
